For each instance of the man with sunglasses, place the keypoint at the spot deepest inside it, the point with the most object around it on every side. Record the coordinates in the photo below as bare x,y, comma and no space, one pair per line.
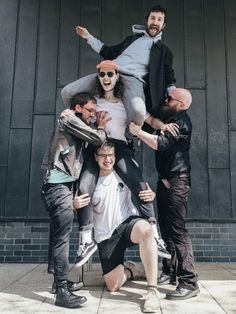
144,63
173,166
62,164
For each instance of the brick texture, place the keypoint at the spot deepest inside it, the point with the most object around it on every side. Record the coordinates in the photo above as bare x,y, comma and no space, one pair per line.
28,242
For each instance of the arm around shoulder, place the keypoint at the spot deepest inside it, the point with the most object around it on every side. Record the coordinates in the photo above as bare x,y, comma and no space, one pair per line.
75,126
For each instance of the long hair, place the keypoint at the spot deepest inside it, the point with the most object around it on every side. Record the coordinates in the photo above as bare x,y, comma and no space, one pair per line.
118,89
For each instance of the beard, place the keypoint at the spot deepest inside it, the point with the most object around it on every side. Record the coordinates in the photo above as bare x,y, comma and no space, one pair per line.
153,27
166,112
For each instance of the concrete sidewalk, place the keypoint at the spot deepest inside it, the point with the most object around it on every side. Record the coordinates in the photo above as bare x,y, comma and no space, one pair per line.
24,289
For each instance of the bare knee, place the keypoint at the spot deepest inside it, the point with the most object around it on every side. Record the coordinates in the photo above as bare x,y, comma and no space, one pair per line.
115,278
112,284
147,231
141,232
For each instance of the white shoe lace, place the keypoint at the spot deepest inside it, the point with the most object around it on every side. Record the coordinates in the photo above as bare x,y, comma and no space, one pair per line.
81,249
161,243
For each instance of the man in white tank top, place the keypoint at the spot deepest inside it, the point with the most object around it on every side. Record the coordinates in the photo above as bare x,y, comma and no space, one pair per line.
117,226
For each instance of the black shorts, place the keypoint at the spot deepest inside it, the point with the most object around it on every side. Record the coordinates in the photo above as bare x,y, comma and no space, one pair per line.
112,250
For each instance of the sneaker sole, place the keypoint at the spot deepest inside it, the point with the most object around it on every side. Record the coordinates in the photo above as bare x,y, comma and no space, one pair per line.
168,256
72,305
194,293
151,310
86,258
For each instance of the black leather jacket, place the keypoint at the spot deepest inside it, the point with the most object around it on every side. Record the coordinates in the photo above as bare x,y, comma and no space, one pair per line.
65,150
172,155
161,73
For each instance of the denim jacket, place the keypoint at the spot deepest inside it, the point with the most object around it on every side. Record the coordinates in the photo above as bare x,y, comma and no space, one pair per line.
65,150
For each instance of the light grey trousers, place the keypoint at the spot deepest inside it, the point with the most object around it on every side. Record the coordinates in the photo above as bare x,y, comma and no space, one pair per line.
133,98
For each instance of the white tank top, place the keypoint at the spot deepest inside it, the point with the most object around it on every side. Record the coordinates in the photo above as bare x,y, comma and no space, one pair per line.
111,205
116,127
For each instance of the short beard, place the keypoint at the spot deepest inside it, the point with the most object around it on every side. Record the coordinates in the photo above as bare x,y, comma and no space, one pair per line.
156,27
166,112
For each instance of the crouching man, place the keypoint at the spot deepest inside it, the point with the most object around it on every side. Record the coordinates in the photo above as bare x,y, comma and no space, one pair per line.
117,226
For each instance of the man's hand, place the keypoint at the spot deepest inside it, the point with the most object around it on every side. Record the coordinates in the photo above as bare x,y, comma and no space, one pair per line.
82,32
134,128
147,195
102,119
67,113
81,201
172,128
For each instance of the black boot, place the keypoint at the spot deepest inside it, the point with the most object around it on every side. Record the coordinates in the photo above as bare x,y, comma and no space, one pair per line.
66,298
72,286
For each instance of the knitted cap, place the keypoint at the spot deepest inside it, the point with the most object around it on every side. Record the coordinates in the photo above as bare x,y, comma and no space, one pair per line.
108,64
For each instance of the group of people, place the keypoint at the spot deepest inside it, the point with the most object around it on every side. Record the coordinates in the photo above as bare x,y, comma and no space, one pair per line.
90,169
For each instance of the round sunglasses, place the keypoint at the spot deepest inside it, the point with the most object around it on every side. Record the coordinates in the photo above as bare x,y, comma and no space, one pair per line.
103,74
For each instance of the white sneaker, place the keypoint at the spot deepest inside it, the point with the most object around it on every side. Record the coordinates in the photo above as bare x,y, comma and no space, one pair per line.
137,271
152,301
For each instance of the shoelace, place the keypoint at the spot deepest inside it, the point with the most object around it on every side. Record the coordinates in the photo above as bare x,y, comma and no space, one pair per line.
152,292
81,249
161,243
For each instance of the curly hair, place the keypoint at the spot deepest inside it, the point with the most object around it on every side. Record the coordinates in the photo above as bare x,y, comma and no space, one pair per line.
118,89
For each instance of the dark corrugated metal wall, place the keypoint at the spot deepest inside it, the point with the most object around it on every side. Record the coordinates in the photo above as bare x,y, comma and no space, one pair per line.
40,53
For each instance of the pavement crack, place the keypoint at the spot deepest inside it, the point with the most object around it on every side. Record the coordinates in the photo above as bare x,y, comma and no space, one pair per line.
18,279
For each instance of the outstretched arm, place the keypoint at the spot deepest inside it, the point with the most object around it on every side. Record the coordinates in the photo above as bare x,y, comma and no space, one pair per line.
157,124
149,139
82,32
95,43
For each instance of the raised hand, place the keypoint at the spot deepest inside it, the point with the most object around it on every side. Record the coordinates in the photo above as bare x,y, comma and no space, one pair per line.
82,32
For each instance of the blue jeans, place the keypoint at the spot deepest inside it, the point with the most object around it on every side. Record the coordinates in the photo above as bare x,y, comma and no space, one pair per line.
128,170
58,199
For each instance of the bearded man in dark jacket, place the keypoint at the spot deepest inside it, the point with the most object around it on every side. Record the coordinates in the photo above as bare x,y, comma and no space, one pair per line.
145,63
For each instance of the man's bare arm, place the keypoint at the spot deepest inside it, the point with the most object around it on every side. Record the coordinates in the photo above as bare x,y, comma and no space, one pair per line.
157,124
149,139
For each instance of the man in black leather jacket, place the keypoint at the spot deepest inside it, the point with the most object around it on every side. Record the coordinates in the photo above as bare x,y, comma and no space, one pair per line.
62,164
